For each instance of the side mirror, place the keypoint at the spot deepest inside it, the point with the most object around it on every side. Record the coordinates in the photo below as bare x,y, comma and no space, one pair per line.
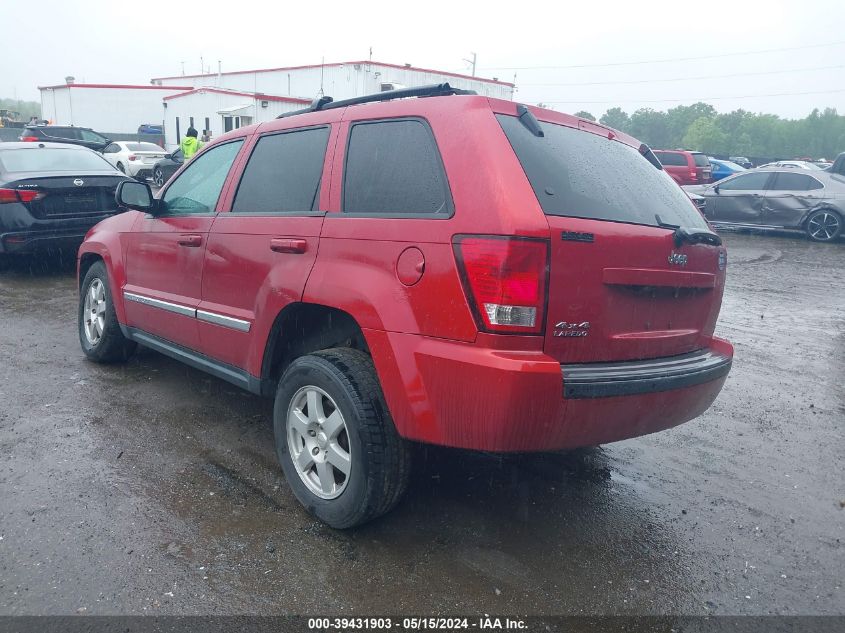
716,188
134,195
169,156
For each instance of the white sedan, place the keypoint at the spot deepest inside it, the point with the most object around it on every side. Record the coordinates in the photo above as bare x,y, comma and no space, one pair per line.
791,164
135,159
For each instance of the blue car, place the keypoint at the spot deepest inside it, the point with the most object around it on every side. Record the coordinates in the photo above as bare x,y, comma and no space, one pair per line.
723,169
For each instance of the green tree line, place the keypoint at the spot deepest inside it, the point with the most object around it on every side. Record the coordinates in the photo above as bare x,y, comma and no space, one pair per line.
26,108
821,134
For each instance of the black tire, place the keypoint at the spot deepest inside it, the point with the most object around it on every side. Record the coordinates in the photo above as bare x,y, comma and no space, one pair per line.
111,346
380,459
824,225
121,167
158,178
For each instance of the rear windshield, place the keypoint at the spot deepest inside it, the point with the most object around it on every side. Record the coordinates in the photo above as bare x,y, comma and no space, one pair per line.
143,147
52,159
584,175
701,160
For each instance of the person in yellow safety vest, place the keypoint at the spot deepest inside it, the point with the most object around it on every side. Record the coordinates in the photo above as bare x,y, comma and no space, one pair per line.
190,145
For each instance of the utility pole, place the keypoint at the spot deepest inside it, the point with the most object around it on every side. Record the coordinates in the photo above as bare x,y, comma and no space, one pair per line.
472,62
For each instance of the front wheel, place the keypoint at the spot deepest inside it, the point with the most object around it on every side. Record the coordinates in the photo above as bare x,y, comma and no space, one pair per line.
824,225
99,331
335,439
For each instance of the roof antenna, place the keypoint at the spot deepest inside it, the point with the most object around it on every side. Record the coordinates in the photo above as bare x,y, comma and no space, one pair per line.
371,53
322,66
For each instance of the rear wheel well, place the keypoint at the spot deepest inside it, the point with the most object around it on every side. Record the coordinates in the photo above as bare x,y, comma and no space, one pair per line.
85,262
302,328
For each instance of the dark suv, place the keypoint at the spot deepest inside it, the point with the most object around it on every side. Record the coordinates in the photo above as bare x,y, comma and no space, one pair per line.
65,134
455,270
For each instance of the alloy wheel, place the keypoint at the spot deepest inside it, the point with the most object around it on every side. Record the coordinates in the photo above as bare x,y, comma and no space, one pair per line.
158,178
318,442
823,226
94,311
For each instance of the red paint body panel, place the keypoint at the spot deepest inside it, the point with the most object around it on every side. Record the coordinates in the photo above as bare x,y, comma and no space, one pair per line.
443,381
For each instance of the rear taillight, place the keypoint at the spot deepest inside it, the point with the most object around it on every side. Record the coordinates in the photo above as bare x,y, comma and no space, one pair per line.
505,280
19,195
29,139
133,157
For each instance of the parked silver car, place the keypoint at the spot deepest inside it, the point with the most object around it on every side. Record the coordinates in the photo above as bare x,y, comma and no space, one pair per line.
787,198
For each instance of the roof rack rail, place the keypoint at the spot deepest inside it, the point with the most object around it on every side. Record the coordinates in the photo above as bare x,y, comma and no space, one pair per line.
432,90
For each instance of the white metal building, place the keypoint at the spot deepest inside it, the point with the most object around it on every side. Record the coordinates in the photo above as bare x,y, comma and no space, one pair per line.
106,108
218,110
341,80
223,101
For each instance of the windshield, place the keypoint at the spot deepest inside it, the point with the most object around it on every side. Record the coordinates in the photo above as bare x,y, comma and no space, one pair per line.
143,147
52,159
580,174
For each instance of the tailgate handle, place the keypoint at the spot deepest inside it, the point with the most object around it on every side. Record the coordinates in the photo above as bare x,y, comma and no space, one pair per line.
657,277
288,245
190,240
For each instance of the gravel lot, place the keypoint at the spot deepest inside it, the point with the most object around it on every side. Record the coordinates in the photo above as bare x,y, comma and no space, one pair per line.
153,488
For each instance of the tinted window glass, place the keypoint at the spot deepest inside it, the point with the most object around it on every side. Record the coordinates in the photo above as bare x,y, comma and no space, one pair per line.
701,160
143,147
671,158
747,182
580,174
50,159
789,182
283,173
62,132
197,189
394,167
88,135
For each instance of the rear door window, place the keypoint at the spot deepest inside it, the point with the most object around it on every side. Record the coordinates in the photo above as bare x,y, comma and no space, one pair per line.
284,172
747,182
794,182
393,167
579,174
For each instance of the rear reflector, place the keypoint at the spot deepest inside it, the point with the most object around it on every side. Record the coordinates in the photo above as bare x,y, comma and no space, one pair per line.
19,195
505,280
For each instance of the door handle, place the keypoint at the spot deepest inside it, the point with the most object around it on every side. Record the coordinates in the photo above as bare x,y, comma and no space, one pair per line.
288,245
190,240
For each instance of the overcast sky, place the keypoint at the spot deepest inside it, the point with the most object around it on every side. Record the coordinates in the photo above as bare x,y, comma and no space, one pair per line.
554,50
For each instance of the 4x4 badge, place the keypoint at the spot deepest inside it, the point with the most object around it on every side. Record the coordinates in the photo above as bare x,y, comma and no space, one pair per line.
677,258
571,330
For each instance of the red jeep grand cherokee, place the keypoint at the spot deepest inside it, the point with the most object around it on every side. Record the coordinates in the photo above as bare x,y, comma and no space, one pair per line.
455,270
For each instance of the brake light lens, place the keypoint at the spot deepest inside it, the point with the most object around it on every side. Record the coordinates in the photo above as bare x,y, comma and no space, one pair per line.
29,139
19,195
505,280
133,157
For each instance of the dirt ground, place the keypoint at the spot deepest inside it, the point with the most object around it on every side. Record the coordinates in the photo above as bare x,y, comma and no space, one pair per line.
154,488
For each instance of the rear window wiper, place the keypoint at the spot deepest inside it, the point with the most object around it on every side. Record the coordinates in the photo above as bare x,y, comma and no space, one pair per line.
696,236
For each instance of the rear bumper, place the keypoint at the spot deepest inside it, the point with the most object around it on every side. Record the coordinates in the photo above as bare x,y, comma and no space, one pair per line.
23,243
604,380
461,395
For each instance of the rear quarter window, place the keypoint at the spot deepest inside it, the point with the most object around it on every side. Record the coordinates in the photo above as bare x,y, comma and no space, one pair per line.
701,160
579,174
393,167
